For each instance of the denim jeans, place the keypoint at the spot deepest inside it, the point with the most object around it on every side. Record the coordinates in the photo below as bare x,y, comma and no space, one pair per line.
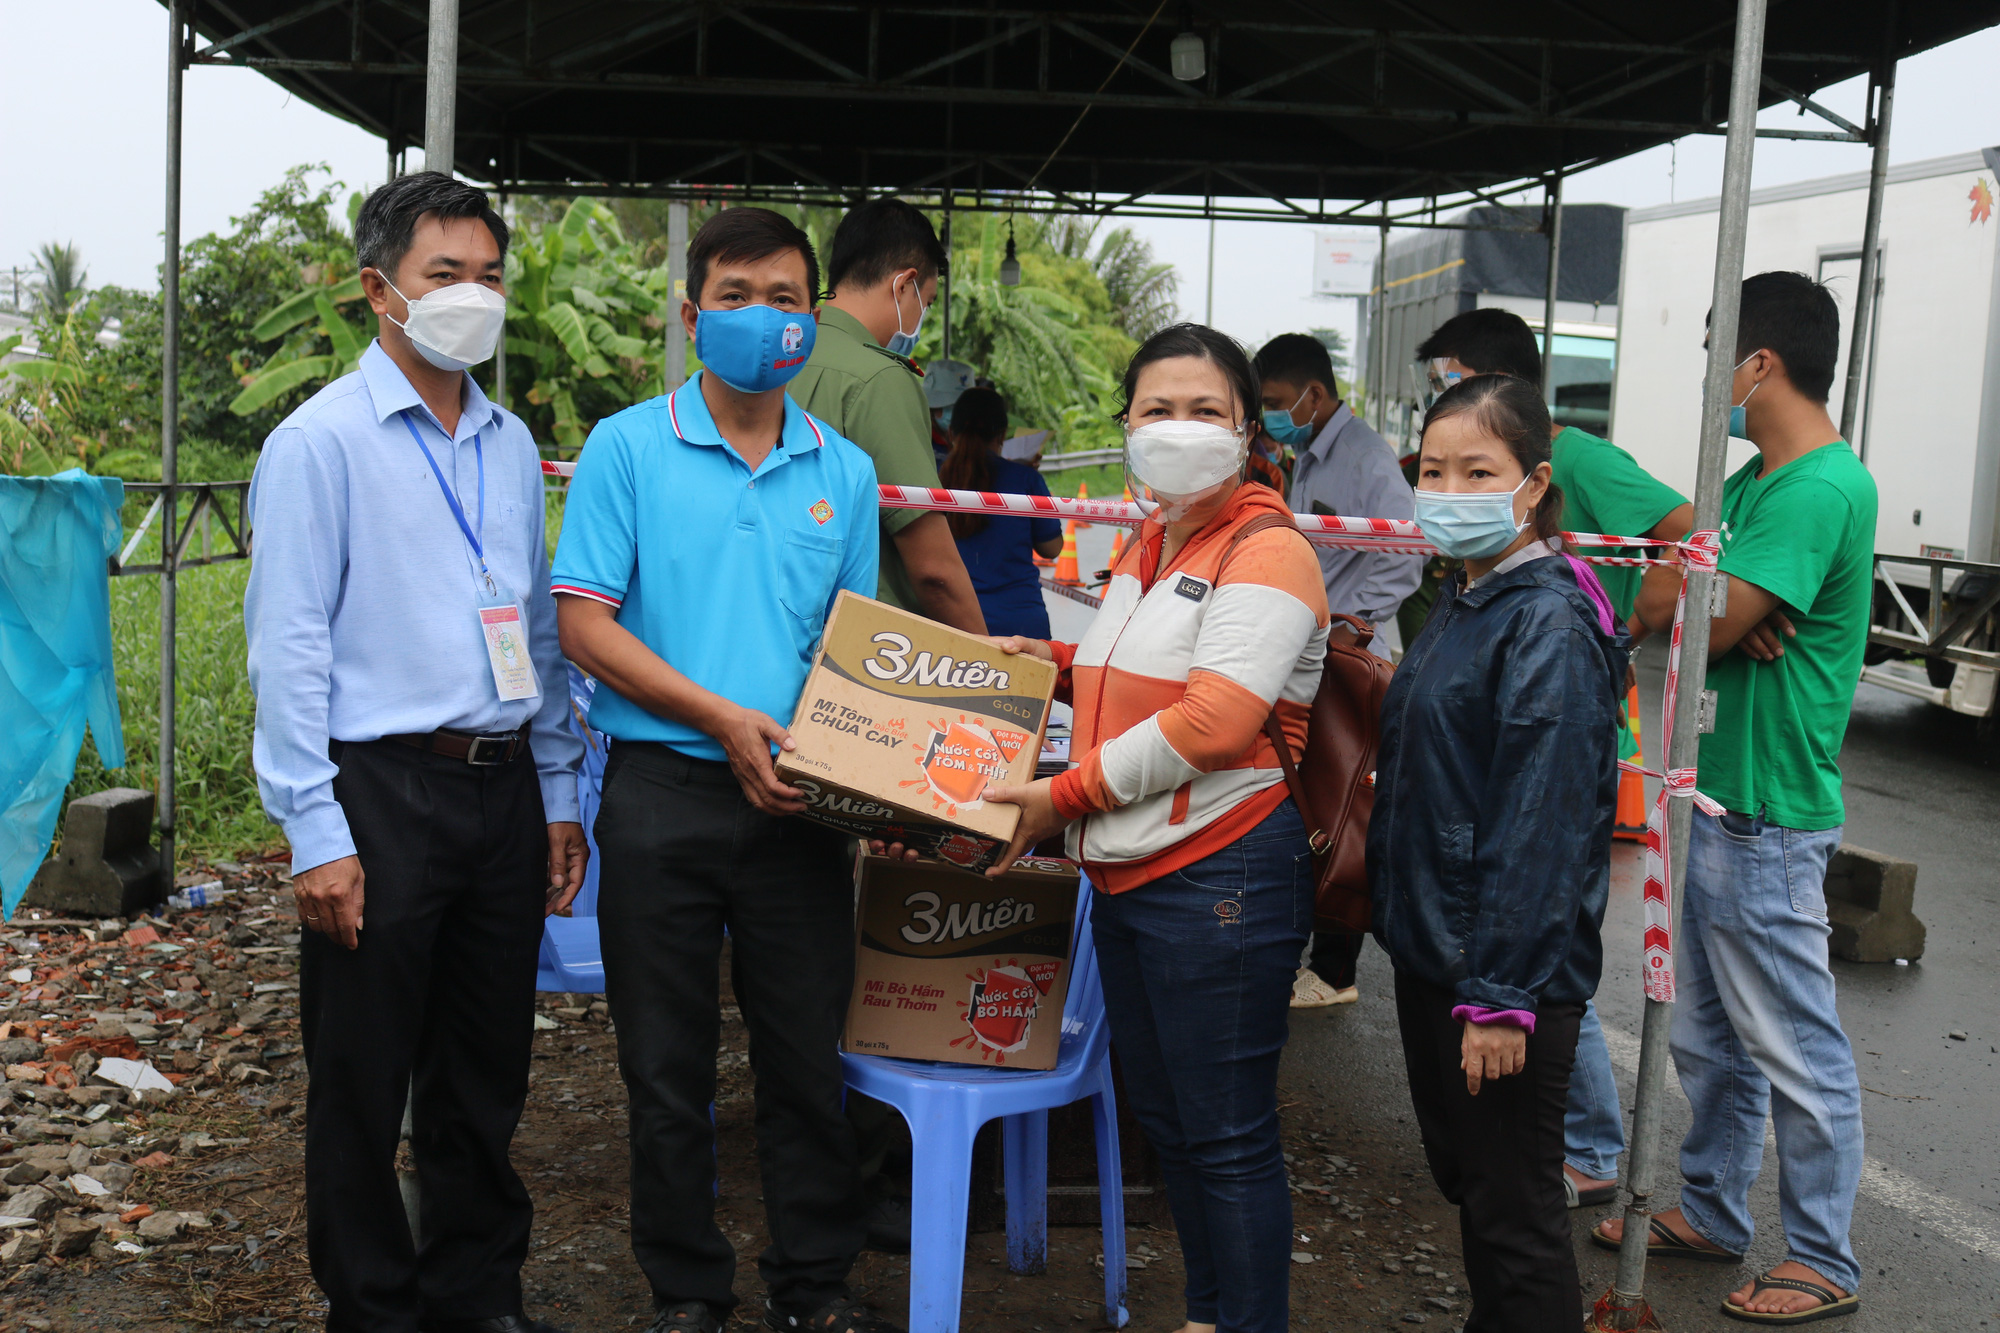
1198,969
1594,1126
1756,1031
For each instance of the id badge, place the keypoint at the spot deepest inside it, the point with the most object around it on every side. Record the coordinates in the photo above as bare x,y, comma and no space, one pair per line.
506,633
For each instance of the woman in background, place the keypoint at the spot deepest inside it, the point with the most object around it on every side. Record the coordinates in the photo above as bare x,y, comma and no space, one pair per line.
998,552
1490,837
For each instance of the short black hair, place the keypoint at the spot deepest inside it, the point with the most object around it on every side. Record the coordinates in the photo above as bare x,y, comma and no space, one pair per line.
881,237
1790,314
740,235
1297,358
388,217
1204,344
1491,341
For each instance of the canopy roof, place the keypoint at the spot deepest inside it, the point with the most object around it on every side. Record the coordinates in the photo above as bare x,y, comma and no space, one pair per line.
1303,101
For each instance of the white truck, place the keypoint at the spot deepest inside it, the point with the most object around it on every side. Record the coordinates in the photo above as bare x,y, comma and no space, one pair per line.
1928,420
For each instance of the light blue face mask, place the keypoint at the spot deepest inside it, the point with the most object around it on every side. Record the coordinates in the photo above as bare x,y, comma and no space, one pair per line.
1739,417
901,343
1278,423
1469,526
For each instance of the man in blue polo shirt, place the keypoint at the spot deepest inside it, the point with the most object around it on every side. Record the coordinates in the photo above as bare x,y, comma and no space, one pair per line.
705,538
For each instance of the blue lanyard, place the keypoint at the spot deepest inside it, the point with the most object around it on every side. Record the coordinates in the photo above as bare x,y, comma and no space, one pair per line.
451,497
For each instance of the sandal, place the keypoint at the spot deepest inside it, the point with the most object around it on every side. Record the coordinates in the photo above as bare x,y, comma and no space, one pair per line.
1661,1242
1830,1306
1311,991
685,1317
1594,1197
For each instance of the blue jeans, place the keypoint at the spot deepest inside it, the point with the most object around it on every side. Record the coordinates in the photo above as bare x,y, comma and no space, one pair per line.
1594,1126
1756,1031
1198,969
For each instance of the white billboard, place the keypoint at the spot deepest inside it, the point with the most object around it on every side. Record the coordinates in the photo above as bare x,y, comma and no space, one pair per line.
1344,261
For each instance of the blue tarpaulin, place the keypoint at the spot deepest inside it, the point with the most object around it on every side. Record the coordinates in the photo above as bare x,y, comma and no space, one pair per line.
57,535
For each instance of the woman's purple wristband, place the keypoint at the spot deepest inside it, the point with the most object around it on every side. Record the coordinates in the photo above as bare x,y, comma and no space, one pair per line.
1473,1013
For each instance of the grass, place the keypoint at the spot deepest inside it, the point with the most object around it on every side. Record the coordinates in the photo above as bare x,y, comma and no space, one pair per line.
216,794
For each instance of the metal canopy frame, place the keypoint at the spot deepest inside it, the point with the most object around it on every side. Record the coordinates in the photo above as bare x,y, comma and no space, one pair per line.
1309,110
1468,117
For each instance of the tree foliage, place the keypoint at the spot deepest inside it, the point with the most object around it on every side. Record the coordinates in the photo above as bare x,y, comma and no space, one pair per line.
60,278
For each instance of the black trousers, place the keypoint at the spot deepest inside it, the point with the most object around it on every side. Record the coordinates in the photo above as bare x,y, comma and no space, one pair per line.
1499,1157
685,855
1334,954
440,990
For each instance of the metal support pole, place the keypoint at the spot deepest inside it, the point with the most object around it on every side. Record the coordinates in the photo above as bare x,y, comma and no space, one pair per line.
389,150
1628,1299
945,295
1208,311
1871,234
441,88
1554,210
1378,379
500,350
170,431
675,366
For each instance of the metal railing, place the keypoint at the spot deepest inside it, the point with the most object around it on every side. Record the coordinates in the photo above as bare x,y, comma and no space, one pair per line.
1957,609
204,522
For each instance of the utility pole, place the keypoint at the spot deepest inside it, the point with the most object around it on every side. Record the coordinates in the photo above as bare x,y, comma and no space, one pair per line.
170,431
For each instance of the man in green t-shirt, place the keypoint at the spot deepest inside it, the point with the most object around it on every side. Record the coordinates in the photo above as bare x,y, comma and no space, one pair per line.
882,276
1758,1028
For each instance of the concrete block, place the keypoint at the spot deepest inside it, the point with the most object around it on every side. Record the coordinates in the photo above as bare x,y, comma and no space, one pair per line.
108,865
1871,902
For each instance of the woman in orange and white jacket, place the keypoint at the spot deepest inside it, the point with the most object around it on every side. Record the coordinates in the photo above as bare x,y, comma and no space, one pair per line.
1178,809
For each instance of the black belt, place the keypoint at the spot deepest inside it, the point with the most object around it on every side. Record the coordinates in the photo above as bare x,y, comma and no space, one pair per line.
481,749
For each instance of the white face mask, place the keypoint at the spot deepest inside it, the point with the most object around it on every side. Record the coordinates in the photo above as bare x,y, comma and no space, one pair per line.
456,326
1184,462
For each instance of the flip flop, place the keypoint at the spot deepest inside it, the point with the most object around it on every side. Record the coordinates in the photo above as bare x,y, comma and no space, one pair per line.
1662,1243
1830,1306
1594,1197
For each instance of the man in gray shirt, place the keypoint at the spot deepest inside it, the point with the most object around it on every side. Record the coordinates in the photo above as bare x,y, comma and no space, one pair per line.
1340,466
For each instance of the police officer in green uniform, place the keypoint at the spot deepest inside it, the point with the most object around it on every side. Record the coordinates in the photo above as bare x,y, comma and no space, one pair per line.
882,276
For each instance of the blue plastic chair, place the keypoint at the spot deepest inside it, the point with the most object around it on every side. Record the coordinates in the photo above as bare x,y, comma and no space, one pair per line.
572,959
946,1104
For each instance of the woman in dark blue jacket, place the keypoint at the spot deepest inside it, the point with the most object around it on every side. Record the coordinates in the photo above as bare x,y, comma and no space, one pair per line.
1490,839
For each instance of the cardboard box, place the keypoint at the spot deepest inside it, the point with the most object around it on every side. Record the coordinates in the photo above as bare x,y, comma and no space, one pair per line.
950,965
902,724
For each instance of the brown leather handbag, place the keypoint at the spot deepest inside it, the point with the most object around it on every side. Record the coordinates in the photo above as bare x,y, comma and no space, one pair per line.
1334,785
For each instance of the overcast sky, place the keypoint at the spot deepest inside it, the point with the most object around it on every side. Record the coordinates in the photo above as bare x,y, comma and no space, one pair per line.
82,157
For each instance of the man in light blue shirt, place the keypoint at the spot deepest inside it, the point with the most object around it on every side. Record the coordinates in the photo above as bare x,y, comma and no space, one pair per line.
705,537
413,741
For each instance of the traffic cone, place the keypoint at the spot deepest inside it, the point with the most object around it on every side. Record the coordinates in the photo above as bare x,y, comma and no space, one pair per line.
1082,493
1066,570
1630,821
1118,541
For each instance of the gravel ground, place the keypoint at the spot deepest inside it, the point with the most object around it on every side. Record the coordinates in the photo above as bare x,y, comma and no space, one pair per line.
184,1210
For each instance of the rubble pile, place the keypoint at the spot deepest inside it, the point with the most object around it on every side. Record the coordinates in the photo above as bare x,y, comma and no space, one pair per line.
131,1050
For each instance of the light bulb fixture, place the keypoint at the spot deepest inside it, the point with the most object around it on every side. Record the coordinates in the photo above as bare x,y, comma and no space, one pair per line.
1010,266
1189,56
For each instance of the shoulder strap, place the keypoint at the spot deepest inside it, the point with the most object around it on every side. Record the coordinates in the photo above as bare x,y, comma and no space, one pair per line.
1276,733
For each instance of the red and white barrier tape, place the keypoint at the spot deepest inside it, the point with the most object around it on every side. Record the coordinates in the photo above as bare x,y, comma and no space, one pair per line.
1390,535
1701,550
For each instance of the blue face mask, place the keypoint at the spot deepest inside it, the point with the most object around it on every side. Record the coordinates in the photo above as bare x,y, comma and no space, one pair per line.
1469,526
944,417
754,348
901,343
1739,416
1278,423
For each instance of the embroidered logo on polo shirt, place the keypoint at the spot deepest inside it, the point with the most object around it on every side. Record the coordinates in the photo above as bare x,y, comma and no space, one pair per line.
822,513
1191,588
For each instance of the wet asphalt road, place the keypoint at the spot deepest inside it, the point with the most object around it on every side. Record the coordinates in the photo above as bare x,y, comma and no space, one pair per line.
1927,1222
